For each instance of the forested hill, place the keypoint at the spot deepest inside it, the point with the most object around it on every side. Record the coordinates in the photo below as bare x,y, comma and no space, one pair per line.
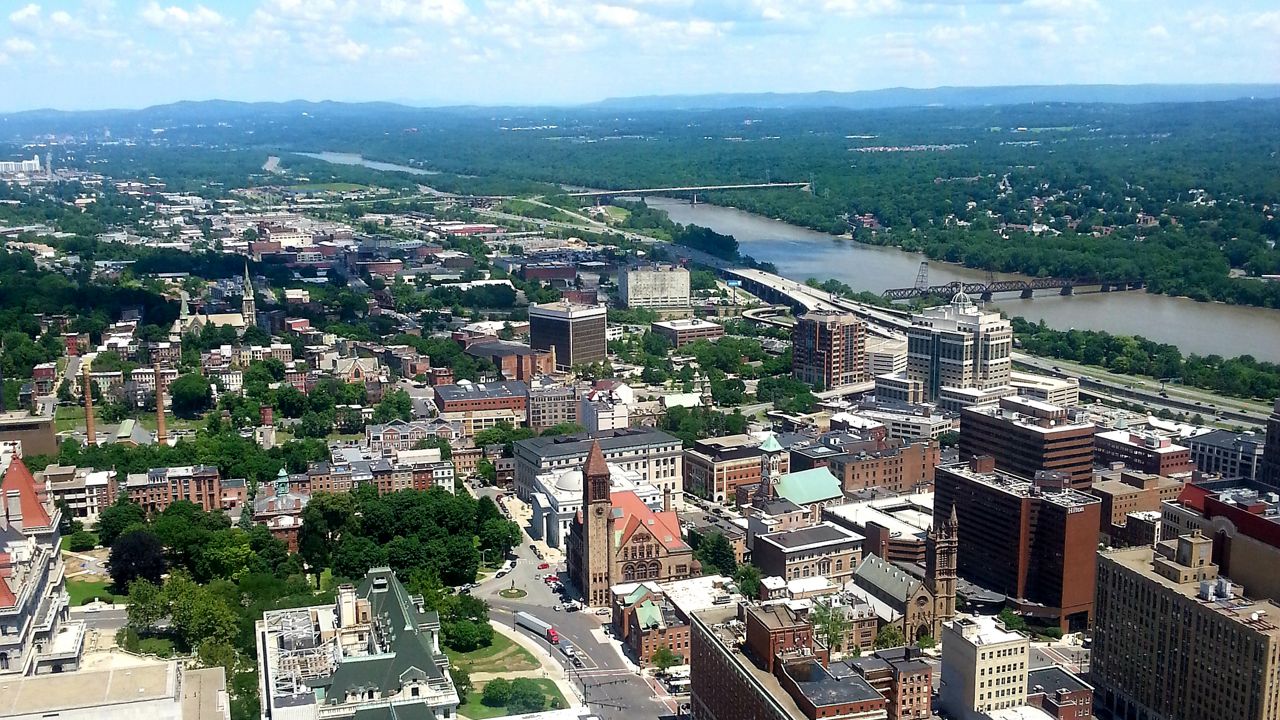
949,97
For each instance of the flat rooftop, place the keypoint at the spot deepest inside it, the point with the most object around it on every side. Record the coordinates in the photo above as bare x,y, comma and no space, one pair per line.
470,391
904,516
1140,560
1021,487
821,534
686,324
60,692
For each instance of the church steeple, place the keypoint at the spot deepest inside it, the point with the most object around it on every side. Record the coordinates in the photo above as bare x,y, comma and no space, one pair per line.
942,546
247,309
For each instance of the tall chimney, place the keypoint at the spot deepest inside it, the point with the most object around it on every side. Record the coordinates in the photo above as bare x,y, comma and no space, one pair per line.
266,416
86,386
666,499
162,437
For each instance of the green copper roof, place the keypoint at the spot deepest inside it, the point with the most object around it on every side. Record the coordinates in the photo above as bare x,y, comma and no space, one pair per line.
648,615
808,486
771,444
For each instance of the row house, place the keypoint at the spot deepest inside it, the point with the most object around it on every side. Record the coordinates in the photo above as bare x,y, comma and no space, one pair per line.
158,488
399,436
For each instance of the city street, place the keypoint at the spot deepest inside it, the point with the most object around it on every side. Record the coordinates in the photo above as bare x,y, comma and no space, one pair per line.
609,684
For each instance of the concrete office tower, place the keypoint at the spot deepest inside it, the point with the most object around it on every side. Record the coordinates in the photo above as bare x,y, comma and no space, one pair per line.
1172,639
161,436
959,346
657,286
984,668
86,386
1271,457
575,333
829,349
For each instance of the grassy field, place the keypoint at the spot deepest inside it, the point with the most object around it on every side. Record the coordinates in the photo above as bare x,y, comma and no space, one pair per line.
63,544
502,656
616,214
82,591
68,417
477,710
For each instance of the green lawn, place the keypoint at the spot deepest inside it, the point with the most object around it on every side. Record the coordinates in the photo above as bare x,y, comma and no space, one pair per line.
503,655
64,545
616,214
82,591
477,710
68,417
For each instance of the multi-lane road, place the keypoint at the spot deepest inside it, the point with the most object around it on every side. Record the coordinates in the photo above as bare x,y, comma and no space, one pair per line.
610,686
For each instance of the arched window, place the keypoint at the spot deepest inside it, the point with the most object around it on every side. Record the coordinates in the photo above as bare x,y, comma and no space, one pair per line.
4,661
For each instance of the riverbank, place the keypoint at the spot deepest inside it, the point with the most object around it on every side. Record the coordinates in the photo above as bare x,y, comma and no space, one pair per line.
799,254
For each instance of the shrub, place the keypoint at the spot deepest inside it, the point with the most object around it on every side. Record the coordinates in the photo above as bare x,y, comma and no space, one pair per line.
127,639
82,541
496,692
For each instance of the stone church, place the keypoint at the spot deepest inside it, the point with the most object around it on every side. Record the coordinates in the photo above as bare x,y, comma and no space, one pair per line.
615,538
916,605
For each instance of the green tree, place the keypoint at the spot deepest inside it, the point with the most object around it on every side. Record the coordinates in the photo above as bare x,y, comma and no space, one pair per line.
82,541
439,443
499,536
1012,621
113,520
832,624
198,614
461,682
664,659
395,405
355,555
496,692
136,555
147,605
716,555
747,577
924,642
191,395
525,696
889,637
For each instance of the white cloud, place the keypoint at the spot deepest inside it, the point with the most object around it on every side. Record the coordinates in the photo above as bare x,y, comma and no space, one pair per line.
617,16
25,16
19,46
350,50
1158,32
175,18
61,18
862,8
448,12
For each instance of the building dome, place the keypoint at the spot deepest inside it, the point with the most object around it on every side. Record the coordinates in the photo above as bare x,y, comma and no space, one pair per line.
962,299
569,481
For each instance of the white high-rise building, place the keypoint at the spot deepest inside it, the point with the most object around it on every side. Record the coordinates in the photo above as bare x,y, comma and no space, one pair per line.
959,346
21,166
654,286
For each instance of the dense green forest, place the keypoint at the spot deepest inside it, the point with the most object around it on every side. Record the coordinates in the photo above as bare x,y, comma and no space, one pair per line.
1243,376
1175,195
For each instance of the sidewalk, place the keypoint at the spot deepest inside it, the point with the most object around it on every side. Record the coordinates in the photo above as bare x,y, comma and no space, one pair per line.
550,668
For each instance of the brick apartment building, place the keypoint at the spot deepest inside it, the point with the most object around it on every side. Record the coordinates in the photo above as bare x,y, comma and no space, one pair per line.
1143,452
714,468
158,488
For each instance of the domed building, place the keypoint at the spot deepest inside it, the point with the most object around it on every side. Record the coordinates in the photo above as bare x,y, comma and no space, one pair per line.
557,498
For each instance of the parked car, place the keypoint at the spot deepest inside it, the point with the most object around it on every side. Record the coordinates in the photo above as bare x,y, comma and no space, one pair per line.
604,612
551,578
543,566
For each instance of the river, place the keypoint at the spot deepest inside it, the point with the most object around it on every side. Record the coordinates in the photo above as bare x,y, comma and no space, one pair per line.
799,253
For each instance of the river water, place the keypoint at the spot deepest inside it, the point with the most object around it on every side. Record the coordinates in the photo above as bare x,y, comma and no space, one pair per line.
799,253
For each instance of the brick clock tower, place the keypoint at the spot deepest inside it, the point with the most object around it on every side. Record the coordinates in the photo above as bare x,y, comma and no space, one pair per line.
596,553
940,569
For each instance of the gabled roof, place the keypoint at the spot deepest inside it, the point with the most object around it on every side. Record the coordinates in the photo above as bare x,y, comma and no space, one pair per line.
629,514
809,486
890,581
18,478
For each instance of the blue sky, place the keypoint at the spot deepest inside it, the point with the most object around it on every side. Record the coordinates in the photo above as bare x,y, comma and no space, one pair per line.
77,54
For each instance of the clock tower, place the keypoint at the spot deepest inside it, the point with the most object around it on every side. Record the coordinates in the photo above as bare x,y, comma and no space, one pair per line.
597,508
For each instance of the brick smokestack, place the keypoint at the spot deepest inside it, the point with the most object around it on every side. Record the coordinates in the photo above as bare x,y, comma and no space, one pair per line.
266,415
86,385
162,436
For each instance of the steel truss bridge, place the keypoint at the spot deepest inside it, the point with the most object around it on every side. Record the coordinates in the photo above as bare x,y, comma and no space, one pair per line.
688,188
1025,288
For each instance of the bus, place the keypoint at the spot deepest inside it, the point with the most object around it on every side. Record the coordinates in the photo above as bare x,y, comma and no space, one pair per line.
538,627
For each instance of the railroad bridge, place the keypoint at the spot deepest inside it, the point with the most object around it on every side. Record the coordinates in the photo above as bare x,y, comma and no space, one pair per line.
1025,288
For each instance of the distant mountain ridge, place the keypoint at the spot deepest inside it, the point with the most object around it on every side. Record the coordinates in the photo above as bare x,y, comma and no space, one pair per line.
948,97
198,110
